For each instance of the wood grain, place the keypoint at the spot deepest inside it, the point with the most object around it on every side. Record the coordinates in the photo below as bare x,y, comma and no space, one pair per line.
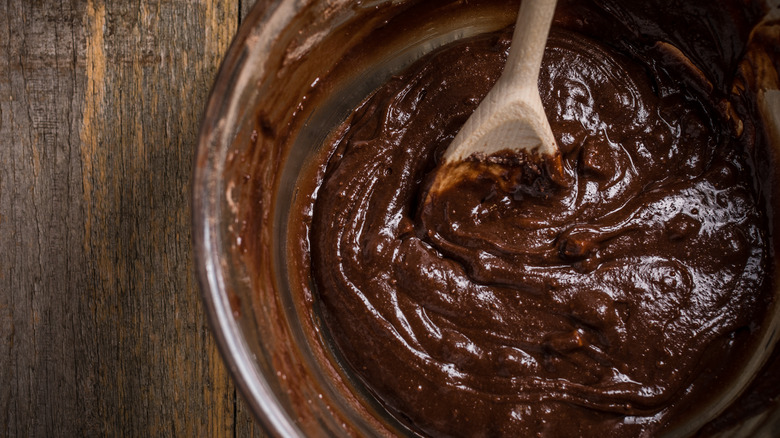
101,320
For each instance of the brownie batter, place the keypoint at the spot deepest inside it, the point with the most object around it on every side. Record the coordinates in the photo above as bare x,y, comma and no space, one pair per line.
613,301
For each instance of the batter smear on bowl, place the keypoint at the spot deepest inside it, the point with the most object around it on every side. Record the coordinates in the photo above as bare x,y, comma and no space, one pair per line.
613,302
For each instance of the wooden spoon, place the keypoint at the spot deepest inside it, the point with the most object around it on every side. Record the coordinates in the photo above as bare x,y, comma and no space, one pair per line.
511,119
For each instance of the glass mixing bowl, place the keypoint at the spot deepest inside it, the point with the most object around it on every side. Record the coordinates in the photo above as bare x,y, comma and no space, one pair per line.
269,110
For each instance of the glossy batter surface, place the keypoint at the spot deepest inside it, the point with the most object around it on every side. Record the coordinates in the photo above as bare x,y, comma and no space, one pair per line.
608,305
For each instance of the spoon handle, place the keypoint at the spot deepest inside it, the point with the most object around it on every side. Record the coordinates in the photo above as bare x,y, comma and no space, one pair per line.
528,43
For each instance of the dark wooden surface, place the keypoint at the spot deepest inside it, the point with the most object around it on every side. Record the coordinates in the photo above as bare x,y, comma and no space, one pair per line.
102,330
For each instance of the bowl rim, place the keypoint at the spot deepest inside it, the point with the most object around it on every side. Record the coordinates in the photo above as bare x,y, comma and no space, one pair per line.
207,193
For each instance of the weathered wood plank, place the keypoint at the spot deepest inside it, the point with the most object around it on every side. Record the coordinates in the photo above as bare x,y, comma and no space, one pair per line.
38,267
102,327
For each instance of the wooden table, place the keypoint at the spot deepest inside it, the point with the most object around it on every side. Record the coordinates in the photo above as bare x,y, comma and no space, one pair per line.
102,326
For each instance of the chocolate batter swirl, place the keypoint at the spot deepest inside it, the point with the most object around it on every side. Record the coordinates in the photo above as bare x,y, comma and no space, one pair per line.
605,306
